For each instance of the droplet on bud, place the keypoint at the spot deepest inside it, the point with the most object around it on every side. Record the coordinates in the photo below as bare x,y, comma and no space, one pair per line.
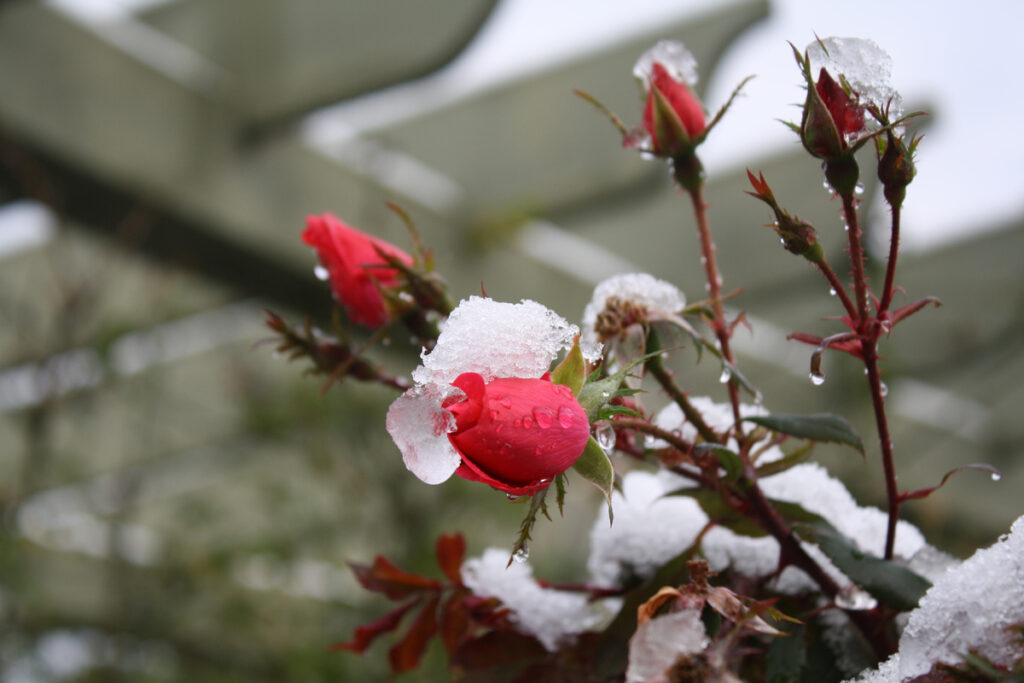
832,291
726,375
605,436
320,272
885,389
817,379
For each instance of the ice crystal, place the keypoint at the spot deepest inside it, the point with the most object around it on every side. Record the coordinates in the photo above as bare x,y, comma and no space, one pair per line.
864,65
671,54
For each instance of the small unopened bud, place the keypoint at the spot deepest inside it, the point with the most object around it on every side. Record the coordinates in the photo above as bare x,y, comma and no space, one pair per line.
895,167
798,237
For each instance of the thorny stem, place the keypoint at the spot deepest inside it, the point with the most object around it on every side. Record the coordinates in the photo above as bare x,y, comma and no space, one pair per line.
657,369
890,267
791,550
869,331
885,440
860,284
837,287
719,324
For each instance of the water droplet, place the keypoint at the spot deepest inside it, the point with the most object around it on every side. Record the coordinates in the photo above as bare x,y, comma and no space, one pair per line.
527,422
885,389
566,418
512,497
832,291
543,417
858,189
726,375
605,394
497,429
505,401
521,555
854,598
539,450
406,297
782,241
996,476
494,413
817,379
605,436
320,272
758,398
518,423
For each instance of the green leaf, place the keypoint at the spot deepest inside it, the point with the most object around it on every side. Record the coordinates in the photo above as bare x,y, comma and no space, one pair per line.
572,370
821,427
609,411
782,464
595,467
786,656
891,583
560,482
729,460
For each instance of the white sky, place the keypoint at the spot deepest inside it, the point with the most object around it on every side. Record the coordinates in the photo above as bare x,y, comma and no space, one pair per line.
947,56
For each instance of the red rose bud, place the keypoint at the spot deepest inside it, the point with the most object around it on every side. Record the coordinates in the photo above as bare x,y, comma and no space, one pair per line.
673,116
355,267
516,434
831,117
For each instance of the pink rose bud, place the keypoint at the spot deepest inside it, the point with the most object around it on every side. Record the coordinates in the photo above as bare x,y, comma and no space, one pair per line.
516,434
673,116
355,267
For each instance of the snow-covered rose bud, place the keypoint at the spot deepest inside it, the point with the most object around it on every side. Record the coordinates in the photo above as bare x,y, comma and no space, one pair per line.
515,434
673,116
355,267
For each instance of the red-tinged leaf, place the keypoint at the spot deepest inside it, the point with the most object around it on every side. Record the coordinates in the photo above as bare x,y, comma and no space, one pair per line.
367,633
910,309
455,623
384,577
850,346
497,649
407,652
924,493
451,549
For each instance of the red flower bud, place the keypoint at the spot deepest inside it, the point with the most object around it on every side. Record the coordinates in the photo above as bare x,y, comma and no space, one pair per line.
355,267
846,114
516,434
673,116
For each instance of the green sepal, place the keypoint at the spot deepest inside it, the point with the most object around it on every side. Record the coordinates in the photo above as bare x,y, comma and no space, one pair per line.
595,466
572,371
595,394
671,136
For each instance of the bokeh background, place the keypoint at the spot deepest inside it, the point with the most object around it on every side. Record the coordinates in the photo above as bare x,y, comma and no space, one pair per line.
179,504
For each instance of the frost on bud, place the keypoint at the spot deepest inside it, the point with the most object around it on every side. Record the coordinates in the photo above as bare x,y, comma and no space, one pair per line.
797,236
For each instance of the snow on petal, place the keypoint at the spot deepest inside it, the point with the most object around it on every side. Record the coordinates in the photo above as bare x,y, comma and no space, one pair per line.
659,643
671,54
866,67
552,616
419,426
495,339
